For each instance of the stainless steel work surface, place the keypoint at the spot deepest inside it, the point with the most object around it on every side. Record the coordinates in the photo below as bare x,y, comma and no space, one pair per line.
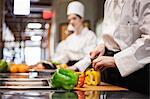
31,80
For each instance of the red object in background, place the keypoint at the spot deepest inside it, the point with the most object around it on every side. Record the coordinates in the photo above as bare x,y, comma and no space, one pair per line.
47,14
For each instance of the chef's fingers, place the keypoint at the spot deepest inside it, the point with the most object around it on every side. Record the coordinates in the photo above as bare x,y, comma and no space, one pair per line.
98,65
95,61
104,68
100,54
101,68
94,53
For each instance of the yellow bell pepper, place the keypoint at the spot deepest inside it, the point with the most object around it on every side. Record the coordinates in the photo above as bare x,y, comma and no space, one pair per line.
92,77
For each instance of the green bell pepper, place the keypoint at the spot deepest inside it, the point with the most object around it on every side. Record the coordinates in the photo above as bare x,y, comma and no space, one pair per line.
64,78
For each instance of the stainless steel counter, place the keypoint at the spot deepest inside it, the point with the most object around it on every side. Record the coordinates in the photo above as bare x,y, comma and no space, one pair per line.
61,94
35,85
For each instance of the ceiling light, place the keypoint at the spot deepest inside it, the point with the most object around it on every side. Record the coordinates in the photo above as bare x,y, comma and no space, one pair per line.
21,7
36,38
34,25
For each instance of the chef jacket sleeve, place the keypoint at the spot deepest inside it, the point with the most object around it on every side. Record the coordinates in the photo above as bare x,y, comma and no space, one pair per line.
137,55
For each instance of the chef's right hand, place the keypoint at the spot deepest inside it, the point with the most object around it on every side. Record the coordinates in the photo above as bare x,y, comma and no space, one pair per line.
98,51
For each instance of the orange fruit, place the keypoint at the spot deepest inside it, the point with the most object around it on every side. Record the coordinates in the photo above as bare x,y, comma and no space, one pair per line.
14,69
22,68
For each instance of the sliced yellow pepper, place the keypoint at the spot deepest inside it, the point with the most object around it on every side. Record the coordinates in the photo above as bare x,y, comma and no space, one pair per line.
92,77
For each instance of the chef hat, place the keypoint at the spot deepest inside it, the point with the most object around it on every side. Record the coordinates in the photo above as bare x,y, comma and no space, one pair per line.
76,7
70,28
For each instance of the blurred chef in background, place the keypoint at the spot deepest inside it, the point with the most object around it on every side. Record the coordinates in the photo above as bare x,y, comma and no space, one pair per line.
80,42
60,47
124,54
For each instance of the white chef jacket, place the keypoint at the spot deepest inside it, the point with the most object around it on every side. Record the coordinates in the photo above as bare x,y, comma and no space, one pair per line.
112,11
133,22
76,46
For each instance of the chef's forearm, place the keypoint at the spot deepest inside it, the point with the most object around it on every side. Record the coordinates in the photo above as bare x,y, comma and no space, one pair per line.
134,57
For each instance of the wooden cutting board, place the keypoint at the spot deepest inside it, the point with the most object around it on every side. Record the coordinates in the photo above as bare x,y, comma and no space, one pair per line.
102,87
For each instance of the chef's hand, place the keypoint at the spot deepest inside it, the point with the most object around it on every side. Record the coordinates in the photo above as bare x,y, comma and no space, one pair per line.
103,62
98,51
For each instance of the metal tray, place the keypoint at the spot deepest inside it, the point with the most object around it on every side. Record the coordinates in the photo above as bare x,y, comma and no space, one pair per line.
29,80
43,70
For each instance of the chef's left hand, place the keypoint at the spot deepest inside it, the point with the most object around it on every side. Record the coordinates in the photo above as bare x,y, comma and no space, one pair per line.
103,62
